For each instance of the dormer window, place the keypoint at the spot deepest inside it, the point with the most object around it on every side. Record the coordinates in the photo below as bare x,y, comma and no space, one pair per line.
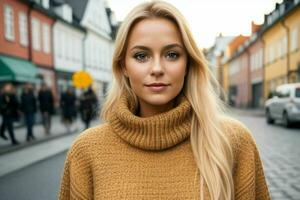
281,9
45,4
269,20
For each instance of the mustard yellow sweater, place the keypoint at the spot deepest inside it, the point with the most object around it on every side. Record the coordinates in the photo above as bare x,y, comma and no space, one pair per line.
151,158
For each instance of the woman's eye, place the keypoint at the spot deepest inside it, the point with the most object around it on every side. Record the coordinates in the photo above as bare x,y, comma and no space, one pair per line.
141,57
172,55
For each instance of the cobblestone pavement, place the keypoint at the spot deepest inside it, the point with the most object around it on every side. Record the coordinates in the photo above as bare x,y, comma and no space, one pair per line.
280,152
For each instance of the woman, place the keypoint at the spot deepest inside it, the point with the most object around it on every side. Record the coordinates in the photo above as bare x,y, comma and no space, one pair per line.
165,136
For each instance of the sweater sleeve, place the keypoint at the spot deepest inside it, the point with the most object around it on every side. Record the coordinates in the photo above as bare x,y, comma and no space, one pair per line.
249,179
77,181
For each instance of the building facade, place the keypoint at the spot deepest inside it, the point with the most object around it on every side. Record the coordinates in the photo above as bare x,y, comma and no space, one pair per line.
98,43
15,54
68,39
256,51
269,58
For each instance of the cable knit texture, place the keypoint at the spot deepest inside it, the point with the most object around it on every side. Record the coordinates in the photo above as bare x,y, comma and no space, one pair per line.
151,158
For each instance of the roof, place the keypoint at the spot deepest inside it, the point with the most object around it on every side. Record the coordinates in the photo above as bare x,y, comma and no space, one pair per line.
78,7
54,3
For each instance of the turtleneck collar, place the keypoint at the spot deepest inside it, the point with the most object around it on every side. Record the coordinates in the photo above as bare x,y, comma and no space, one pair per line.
157,132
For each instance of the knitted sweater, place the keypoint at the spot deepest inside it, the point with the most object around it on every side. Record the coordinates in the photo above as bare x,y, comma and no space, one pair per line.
151,158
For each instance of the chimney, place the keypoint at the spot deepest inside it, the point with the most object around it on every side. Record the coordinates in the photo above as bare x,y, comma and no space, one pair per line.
255,27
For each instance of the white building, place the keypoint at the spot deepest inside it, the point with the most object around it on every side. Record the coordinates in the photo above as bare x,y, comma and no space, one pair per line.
98,44
215,51
68,40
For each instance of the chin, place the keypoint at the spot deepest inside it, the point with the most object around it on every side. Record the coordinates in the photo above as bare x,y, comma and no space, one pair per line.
157,99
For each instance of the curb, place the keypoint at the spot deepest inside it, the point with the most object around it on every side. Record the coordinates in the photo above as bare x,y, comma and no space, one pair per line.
254,113
32,143
18,160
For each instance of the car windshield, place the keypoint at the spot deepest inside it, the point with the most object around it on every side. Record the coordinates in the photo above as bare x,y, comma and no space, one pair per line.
297,94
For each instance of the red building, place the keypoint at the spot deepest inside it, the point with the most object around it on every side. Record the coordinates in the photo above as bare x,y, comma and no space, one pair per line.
14,31
26,53
256,71
41,50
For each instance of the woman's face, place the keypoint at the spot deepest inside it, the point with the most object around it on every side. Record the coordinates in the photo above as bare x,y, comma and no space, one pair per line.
155,63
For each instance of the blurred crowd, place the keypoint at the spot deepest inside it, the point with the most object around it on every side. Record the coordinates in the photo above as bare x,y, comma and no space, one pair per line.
14,108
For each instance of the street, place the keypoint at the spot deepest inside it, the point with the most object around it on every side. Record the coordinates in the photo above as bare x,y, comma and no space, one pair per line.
278,149
38,181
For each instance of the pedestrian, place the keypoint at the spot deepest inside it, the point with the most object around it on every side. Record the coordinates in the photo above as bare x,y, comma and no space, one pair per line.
88,105
9,109
46,105
164,135
68,107
29,108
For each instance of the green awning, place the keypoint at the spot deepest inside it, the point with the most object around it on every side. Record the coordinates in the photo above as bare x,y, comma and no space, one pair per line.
15,69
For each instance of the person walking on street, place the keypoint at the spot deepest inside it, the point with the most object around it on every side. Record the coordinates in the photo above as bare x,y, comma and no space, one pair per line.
9,110
46,105
88,106
68,106
29,108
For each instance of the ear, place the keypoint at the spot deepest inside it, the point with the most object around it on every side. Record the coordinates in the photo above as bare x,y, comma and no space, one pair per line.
123,68
187,68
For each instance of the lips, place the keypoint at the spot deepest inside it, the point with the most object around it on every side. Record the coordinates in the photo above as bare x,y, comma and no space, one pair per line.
157,87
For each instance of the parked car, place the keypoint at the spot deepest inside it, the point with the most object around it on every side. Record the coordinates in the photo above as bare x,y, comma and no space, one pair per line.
284,105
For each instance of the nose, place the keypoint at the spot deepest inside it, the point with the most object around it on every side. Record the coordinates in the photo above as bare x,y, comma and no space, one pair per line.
157,68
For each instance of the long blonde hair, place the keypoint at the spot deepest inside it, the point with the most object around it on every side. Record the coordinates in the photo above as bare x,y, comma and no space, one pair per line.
210,145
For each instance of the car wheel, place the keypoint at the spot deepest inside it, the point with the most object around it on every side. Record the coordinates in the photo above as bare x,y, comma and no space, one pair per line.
285,119
270,120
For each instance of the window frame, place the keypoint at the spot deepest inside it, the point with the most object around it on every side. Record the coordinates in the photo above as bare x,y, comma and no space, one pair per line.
9,28
23,28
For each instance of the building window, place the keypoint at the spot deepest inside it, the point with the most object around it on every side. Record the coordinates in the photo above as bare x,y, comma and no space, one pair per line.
46,38
271,54
23,28
294,39
62,45
9,23
68,47
45,3
261,62
57,41
280,47
284,47
36,34
252,62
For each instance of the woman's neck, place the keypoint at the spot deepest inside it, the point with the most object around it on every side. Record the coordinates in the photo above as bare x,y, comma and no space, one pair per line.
148,110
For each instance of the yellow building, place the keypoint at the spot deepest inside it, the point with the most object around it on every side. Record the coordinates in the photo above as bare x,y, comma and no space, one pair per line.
293,24
281,47
275,59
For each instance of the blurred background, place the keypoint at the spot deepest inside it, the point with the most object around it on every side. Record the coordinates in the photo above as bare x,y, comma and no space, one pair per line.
55,69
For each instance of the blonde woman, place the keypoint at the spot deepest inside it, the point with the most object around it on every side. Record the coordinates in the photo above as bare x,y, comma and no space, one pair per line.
165,136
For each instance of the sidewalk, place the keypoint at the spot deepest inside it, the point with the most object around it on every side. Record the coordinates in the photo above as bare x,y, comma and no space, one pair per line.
13,158
58,129
257,112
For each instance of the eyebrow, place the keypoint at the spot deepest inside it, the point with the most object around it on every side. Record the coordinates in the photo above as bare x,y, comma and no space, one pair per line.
170,46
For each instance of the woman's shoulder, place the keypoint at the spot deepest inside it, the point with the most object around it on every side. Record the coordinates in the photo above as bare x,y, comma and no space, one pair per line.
91,137
237,132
